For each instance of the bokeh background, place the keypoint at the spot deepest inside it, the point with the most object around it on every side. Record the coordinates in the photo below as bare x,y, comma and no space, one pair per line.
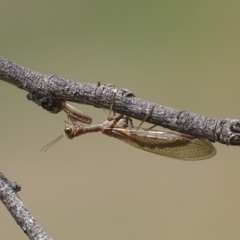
181,54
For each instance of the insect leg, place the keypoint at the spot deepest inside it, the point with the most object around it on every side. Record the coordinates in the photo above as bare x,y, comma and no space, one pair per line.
112,105
146,117
74,114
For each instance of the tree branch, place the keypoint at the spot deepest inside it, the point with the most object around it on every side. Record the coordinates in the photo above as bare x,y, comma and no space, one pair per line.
19,212
50,91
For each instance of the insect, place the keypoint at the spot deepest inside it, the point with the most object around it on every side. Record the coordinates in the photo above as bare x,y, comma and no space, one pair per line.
168,144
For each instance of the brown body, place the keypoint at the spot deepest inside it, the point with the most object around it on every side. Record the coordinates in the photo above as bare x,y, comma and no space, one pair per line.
169,144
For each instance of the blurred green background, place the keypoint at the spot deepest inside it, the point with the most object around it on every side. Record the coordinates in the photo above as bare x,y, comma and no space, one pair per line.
181,54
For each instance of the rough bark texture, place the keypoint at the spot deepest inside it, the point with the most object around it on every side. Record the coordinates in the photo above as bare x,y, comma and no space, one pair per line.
50,91
21,215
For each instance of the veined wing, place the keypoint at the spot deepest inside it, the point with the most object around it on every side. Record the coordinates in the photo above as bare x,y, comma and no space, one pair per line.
168,144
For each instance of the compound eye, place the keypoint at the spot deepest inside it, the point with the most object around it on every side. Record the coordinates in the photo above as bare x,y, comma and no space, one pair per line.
68,130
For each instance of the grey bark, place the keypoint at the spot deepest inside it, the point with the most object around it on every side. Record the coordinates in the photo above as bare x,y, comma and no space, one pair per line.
9,197
49,91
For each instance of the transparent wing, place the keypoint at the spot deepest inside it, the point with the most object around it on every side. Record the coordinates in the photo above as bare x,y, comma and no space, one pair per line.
168,144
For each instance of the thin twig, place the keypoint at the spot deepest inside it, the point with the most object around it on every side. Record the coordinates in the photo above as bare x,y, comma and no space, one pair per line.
50,91
9,197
